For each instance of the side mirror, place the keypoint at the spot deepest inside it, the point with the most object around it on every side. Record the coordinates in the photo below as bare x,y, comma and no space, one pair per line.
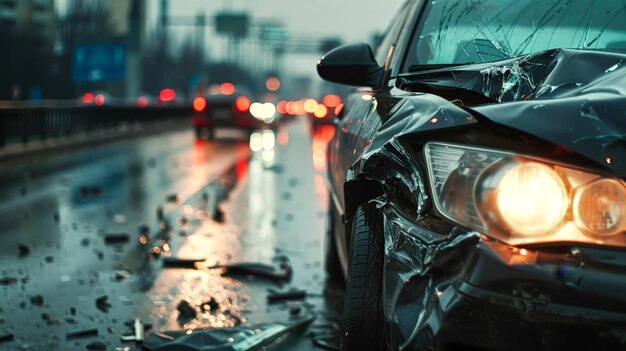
353,64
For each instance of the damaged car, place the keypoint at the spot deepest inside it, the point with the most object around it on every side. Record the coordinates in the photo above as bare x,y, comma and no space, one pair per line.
477,178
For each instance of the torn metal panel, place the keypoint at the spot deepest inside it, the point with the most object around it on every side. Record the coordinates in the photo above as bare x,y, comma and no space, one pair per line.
573,98
243,338
417,265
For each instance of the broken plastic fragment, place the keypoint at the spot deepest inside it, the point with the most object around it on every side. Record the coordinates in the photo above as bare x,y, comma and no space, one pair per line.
82,333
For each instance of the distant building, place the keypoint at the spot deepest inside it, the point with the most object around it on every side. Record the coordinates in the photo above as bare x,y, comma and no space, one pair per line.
119,14
28,15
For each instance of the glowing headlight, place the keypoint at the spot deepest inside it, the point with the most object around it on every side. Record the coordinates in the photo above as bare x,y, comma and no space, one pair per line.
531,199
522,200
599,207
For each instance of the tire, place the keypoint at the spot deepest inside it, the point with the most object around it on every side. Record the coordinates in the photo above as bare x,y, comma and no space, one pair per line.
363,313
334,273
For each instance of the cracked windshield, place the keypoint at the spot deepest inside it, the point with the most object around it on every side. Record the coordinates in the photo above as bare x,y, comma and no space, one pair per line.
235,175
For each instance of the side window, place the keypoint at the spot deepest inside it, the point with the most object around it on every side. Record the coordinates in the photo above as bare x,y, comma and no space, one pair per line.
388,41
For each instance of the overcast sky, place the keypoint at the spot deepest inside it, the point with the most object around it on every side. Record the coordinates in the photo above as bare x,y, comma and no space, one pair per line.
350,20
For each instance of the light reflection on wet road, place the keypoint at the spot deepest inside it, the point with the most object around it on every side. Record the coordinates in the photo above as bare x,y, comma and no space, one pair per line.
61,210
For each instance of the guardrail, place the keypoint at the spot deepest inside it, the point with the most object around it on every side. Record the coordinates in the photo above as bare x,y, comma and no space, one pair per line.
24,123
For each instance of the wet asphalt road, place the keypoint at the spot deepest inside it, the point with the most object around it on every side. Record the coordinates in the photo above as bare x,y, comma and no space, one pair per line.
84,235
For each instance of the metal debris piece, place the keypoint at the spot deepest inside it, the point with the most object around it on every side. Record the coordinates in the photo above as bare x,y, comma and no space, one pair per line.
23,249
250,337
116,238
36,300
6,337
284,271
138,332
102,303
8,280
96,346
278,296
81,334
171,262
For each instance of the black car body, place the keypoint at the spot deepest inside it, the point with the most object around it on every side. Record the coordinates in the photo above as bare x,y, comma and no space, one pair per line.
479,202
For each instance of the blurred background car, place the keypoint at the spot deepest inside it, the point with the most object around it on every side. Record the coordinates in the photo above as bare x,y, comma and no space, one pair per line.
226,106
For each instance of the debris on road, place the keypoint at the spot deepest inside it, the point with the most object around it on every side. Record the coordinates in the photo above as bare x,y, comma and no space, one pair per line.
8,281
171,262
96,346
6,337
102,303
186,312
36,300
82,334
278,296
23,249
327,336
249,337
120,275
138,332
261,270
116,238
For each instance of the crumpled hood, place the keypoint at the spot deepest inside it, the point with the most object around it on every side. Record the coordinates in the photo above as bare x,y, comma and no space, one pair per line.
573,98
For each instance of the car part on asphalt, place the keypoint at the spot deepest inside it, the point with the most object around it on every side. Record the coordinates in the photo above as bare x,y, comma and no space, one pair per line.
242,338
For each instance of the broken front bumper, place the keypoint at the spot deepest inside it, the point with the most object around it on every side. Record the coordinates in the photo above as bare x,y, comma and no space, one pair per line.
465,291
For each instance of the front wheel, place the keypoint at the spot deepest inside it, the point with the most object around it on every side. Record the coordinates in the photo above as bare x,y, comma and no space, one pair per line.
363,313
